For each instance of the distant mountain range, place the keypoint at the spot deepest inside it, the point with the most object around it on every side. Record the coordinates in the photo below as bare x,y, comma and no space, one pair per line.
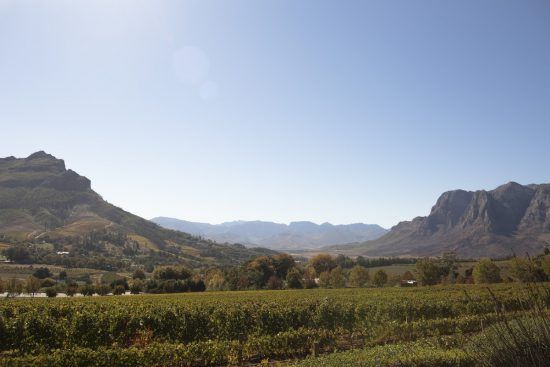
43,202
277,236
509,219
46,207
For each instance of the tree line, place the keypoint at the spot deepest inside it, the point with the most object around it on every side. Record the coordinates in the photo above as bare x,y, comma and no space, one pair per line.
282,271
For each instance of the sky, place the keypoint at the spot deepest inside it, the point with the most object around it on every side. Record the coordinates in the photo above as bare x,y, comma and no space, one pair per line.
328,111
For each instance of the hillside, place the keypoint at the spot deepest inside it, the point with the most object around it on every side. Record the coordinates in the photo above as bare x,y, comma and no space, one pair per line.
509,219
277,236
46,208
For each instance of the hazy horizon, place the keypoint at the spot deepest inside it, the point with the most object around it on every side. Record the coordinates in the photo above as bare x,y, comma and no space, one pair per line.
214,111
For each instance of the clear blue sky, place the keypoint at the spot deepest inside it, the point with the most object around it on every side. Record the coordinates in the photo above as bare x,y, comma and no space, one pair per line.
340,111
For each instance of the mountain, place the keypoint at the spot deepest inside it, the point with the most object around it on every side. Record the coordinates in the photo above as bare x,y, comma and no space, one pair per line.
296,235
509,219
45,207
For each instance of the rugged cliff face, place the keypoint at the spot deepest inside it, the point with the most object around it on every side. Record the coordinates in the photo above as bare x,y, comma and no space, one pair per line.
42,201
510,219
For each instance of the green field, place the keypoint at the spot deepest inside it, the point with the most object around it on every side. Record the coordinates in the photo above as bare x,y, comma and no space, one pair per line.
233,328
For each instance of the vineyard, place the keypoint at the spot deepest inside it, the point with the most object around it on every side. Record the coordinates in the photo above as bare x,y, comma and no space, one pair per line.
238,328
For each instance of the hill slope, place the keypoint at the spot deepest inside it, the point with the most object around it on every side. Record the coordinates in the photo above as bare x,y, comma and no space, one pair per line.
296,235
41,202
510,219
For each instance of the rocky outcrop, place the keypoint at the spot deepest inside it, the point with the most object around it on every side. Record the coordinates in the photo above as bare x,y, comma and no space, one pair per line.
512,218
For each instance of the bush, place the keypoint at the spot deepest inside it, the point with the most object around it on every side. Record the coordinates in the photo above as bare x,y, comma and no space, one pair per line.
274,282
136,286
358,276
119,290
486,271
102,289
87,290
380,278
517,342
294,279
42,273
51,292
48,282
138,274
72,289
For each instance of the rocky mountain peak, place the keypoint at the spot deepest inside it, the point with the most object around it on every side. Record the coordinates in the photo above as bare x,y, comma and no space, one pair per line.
482,223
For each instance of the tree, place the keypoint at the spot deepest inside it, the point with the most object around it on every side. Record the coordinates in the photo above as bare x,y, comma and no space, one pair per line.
2,286
526,270
18,254
42,273
14,288
486,271
428,271
309,278
407,276
87,290
102,289
274,282
136,286
169,272
260,270
283,263
380,278
72,289
344,261
337,278
324,279
358,276
138,274
32,285
62,275
48,282
215,281
322,263
546,264
448,264
51,292
294,279
360,260
119,290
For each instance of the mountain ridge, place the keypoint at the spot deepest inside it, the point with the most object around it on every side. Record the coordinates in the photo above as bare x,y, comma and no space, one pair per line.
510,219
293,236
43,201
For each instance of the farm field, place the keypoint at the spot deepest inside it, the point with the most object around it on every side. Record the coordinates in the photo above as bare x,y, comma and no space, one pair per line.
236,328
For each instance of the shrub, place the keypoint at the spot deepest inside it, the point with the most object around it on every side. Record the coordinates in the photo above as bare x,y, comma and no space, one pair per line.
51,292
294,279
136,286
337,279
486,271
380,278
102,289
42,273
274,282
119,290
72,289
358,276
87,290
138,274
516,342
48,282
